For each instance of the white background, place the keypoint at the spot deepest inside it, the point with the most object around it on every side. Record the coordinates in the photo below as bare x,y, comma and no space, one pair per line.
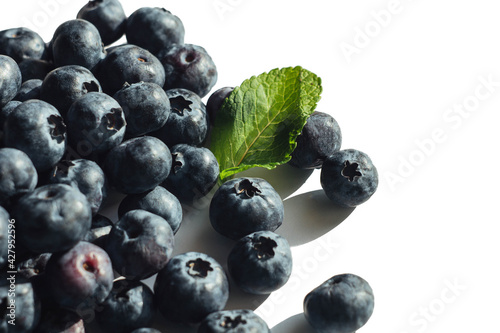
414,84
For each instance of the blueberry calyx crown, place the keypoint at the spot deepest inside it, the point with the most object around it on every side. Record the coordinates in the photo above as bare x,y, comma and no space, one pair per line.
114,120
229,322
350,171
246,186
63,167
57,128
91,86
179,104
176,162
264,247
199,268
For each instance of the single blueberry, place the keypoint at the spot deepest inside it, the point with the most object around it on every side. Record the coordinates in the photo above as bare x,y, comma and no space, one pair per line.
37,128
158,201
17,175
233,321
52,218
260,263
349,177
194,173
107,16
138,165
342,304
154,29
320,138
215,101
188,121
10,79
21,43
190,67
190,287
140,244
129,305
146,107
241,206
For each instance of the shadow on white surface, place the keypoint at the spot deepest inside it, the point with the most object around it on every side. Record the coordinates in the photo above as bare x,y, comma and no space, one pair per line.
294,324
309,216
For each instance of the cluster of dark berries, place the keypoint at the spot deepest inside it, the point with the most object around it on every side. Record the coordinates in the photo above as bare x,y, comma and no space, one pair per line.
81,117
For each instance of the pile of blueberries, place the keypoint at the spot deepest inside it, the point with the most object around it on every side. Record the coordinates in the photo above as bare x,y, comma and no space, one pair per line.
81,117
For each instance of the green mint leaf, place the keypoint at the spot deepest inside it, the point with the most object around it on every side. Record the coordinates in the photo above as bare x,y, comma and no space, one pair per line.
259,122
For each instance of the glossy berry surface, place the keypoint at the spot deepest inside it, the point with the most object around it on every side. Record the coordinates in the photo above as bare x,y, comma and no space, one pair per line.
84,175
129,305
215,101
140,244
190,67
233,321
342,304
96,124
320,138
52,218
21,43
242,206
158,201
80,278
17,175
138,165
38,129
188,121
64,85
10,79
190,287
107,16
154,29
146,107
194,173
349,177
260,263
77,42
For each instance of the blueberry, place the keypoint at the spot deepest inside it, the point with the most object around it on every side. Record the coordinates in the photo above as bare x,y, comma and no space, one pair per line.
77,42
30,89
260,263
60,320
188,122
107,16
21,43
4,231
245,205
84,175
129,305
22,306
349,177
342,304
99,230
154,28
138,165
64,85
80,278
145,330
34,266
38,129
128,63
10,79
215,101
140,244
320,138
146,107
52,218
17,175
233,321
190,67
158,201
35,69
96,124
194,173
190,287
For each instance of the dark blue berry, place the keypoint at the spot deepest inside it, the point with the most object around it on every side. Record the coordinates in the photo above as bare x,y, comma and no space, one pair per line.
107,16
349,177
233,321
17,175
21,43
215,101
190,287
99,230
35,69
30,89
10,79
242,206
342,304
